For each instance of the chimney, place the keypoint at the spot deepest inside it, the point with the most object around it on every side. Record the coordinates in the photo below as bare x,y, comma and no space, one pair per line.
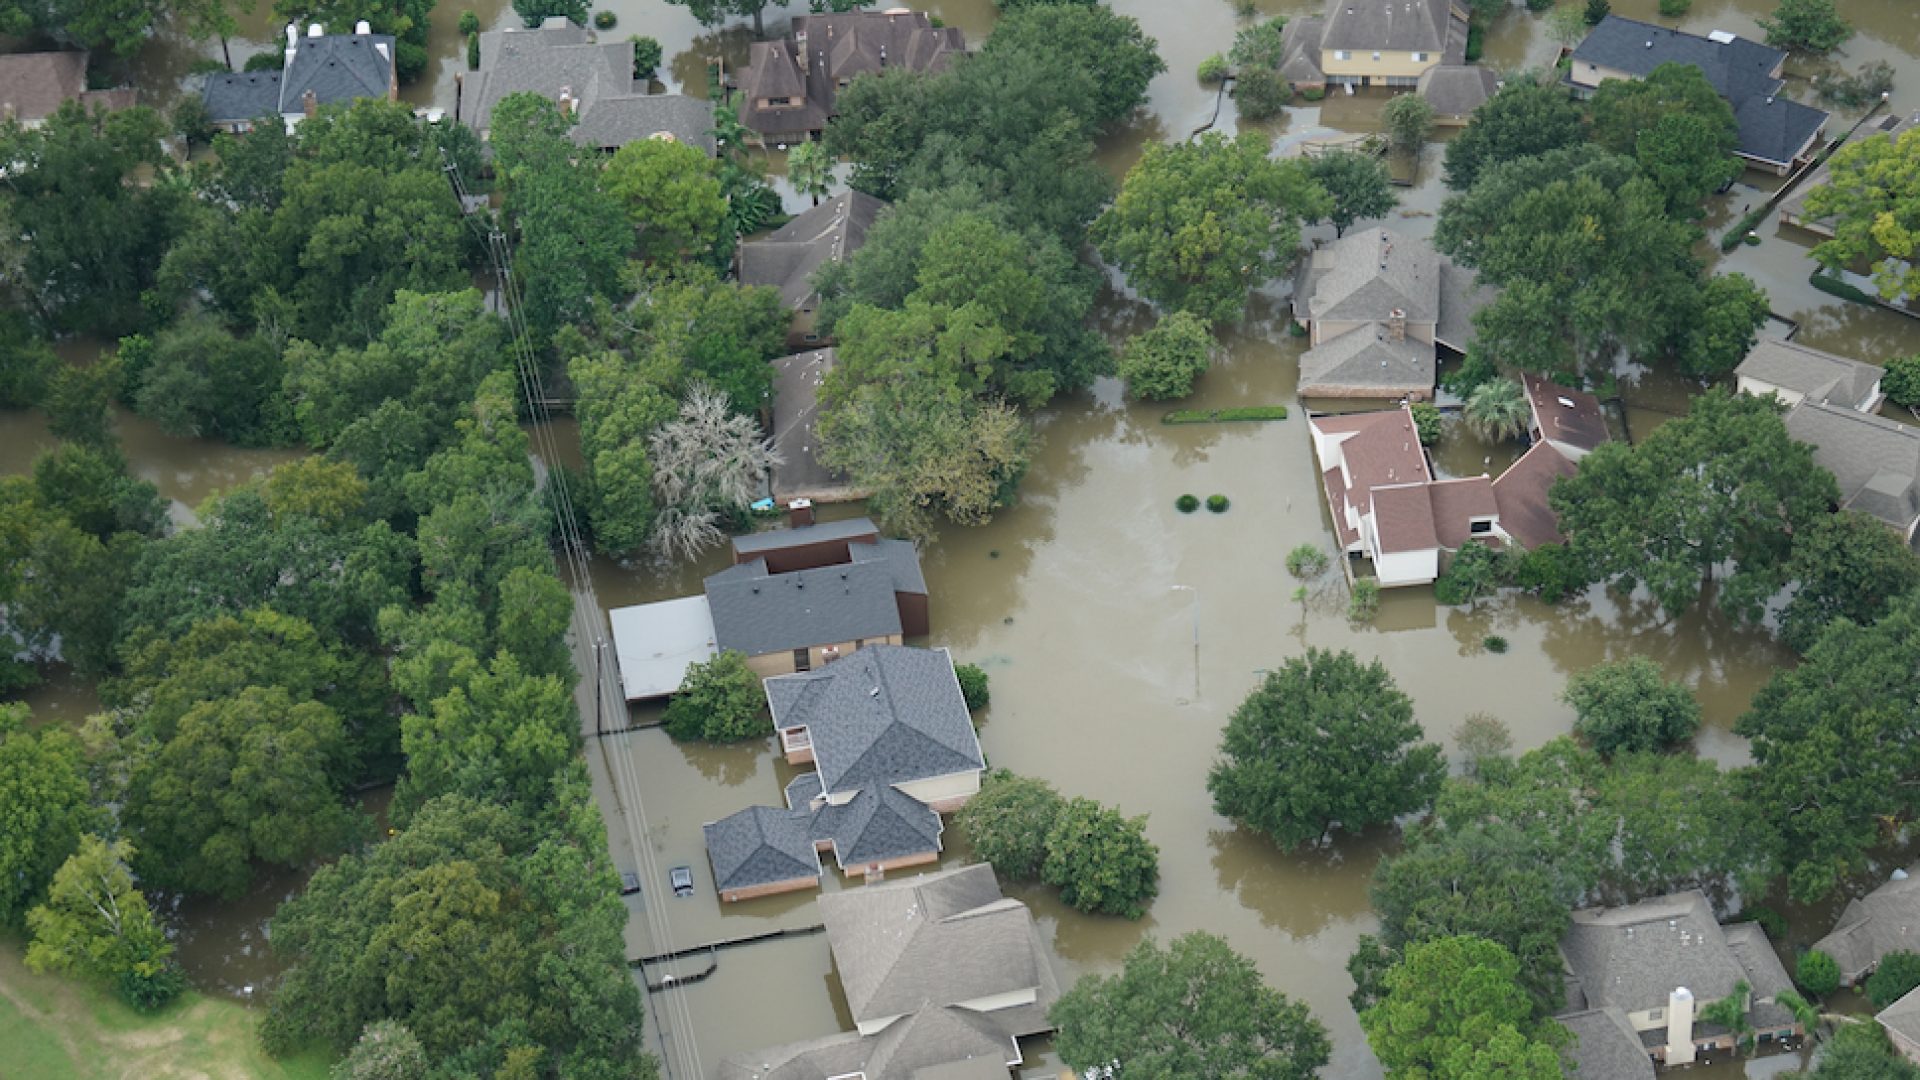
316,30
1397,325
800,513
1680,1026
293,42
566,101
363,28
309,103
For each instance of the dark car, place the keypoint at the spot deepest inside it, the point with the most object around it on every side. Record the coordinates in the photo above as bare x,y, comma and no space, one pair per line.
681,878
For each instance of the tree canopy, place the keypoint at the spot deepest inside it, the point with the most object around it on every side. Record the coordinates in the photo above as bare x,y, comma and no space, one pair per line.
45,807
1008,821
720,700
1454,1010
1873,196
1847,565
1101,862
1524,118
1630,706
1161,363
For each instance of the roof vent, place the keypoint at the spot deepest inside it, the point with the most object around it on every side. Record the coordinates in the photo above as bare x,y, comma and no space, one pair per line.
1567,401
363,27
874,693
1649,43
315,30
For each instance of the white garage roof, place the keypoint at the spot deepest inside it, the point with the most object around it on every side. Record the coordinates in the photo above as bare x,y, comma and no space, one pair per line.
656,642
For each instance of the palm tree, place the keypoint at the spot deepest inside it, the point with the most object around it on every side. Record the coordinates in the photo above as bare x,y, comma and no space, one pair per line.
1497,409
811,169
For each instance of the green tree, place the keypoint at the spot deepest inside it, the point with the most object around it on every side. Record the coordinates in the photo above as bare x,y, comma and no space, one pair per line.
647,56
1008,821
202,381
92,489
1193,1008
810,168
1525,118
714,12
535,12
95,924
1102,863
1475,571
1453,1009
498,734
1862,1052
718,333
1731,311
1408,120
1630,706
1323,742
1676,126
1092,42
27,362
79,402
1162,363
1835,746
1259,45
1497,410
1357,183
973,685
1722,485
671,193
1199,225
721,700
46,805
1873,196
1897,973
1901,381
1846,565
384,1051
1260,94
1806,26
1817,973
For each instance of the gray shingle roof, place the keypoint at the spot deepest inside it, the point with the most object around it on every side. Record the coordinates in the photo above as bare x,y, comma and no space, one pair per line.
885,715
1455,90
1633,958
1397,25
617,120
759,846
802,790
1822,376
1364,358
1903,1016
758,613
1883,921
932,941
901,559
796,406
1300,50
1876,461
1461,295
876,825
1368,274
932,1044
1772,128
1605,1047
759,543
787,257
337,68
242,95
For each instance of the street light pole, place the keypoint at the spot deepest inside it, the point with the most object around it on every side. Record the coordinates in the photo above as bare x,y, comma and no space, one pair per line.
1195,590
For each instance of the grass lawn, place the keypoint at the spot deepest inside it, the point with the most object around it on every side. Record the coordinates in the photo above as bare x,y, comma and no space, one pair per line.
55,1028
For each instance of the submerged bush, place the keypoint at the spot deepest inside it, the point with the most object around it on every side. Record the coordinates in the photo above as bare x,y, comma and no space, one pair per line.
1187,504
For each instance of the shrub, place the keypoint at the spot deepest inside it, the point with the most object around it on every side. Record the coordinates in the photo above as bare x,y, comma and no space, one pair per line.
604,20
473,52
1008,821
1901,381
647,56
469,23
1630,706
1213,70
1246,9
1538,6
190,120
1494,643
150,986
1673,9
1426,420
973,685
271,60
1897,973
1550,572
1596,10
1817,973
1163,362
386,1050
721,700
1476,41
1311,93
1364,603
1481,738
1296,328
1857,90
1260,93
1217,503
1306,562
1101,862
1238,413
1751,240
1187,504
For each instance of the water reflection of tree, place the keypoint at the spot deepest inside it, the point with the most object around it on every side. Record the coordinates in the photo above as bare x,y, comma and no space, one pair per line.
1701,644
1299,893
731,766
689,66
1859,330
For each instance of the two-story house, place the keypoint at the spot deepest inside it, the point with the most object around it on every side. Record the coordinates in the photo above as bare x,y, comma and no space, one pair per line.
788,88
317,69
1794,373
1390,42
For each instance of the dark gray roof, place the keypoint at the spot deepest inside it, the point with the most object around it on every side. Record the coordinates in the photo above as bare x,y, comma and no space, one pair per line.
932,941
1876,461
757,613
931,1044
885,715
1461,295
759,543
1772,128
900,558
787,257
1300,50
1883,921
1455,90
876,825
1822,376
1364,358
759,846
1605,1047
802,790
796,405
1396,25
337,68
242,95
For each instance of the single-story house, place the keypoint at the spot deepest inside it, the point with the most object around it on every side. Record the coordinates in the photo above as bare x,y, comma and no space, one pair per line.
1876,461
1571,420
1655,964
655,643
788,88
1776,133
943,975
797,379
34,85
317,69
1871,926
1793,209
1376,306
893,747
589,80
1455,90
1794,372
788,257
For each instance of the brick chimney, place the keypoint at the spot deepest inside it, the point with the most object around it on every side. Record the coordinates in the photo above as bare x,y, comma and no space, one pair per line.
309,103
1397,325
800,513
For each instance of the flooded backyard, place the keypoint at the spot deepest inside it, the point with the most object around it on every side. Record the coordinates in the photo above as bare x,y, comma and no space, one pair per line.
1119,633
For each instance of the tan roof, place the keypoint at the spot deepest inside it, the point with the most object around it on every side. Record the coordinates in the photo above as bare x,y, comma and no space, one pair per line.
1903,1017
1809,372
33,86
1605,1046
1883,921
1300,50
1571,418
1521,494
1392,25
1368,275
1366,360
787,257
1455,90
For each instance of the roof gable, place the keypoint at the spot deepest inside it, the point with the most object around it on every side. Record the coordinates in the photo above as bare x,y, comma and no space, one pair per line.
1876,461
1369,275
885,715
1398,25
1834,380
1367,357
787,257
1634,957
758,613
1571,418
1521,494
337,68
760,845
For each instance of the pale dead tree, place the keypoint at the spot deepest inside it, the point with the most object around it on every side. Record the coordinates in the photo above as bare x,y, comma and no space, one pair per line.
707,463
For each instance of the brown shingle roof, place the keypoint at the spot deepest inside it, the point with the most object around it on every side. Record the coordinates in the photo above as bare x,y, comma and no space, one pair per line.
1521,494
1403,519
787,257
1456,503
33,86
826,51
1571,418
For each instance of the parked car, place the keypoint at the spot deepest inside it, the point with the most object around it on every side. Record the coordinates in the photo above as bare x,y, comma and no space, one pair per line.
681,878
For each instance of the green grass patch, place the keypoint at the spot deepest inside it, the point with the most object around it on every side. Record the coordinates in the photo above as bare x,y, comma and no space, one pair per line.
1833,286
1225,416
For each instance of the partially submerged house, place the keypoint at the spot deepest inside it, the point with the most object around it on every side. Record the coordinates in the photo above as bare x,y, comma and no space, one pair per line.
1526,515
1776,133
1571,421
316,69
788,88
1655,965
1876,461
1377,42
788,257
1794,373
797,379
893,747
34,85
1376,306
1871,926
943,976
1604,1047
589,81
1901,1022
1455,90
1793,209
